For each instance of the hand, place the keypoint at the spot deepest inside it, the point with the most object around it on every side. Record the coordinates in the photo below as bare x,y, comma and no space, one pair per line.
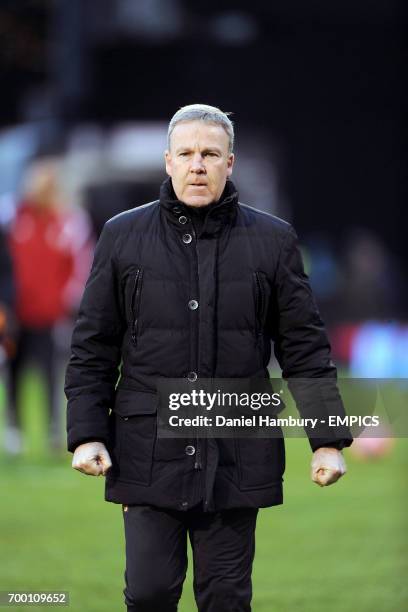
92,458
328,466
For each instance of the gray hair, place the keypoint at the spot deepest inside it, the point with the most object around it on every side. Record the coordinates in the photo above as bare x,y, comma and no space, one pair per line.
203,112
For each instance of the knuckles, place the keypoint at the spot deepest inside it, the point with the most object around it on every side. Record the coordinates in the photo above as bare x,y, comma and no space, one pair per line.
85,467
324,476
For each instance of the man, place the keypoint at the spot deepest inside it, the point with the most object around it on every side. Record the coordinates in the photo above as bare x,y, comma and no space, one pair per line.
192,286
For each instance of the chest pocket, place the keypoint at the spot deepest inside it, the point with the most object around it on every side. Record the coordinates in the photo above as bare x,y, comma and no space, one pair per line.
133,293
262,290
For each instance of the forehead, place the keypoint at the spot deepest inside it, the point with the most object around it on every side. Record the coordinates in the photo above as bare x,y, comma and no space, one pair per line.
190,133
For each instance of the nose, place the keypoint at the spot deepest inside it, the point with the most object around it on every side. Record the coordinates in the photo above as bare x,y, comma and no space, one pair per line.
197,164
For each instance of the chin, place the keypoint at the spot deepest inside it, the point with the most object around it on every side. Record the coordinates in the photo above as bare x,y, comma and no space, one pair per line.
197,201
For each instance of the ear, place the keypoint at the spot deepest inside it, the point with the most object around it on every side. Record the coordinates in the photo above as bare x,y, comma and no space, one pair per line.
168,160
230,163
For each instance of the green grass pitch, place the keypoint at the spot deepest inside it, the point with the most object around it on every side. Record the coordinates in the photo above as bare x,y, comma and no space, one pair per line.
334,549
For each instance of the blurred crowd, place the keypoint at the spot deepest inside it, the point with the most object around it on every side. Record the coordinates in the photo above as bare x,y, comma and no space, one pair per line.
46,249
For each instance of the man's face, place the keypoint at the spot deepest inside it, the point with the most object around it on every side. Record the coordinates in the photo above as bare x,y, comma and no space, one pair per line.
198,162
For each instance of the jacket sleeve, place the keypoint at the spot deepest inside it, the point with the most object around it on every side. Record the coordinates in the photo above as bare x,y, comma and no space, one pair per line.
93,368
302,348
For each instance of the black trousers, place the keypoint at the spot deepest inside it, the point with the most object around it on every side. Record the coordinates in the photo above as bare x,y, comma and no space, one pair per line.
223,545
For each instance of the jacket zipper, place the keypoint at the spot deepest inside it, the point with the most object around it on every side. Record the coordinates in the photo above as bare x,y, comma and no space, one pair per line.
136,303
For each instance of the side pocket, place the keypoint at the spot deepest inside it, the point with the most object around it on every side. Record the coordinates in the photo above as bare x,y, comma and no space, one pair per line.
133,435
137,436
135,303
260,462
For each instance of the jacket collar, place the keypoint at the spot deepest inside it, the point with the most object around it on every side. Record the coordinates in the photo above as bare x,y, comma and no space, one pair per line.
219,214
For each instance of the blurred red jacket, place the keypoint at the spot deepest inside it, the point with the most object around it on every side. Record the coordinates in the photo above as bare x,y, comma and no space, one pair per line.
51,253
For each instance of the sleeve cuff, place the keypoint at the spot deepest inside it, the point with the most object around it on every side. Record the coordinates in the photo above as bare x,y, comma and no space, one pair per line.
317,443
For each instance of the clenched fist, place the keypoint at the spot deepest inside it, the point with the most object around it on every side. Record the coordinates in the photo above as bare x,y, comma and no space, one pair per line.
92,458
328,466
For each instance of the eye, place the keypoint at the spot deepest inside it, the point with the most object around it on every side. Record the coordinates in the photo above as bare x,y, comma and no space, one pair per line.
183,154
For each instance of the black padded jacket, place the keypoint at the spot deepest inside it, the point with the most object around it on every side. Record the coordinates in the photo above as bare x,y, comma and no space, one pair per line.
169,298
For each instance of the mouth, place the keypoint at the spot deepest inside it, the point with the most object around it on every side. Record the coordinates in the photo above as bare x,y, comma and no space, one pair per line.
198,184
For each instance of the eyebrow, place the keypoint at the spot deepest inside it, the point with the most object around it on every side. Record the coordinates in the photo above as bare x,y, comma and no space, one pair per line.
206,150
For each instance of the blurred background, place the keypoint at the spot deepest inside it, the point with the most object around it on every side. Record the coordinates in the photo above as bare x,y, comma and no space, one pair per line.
318,96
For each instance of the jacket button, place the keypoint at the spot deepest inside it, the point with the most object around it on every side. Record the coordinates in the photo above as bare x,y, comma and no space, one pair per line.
190,450
184,504
183,219
177,210
187,238
192,376
193,304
